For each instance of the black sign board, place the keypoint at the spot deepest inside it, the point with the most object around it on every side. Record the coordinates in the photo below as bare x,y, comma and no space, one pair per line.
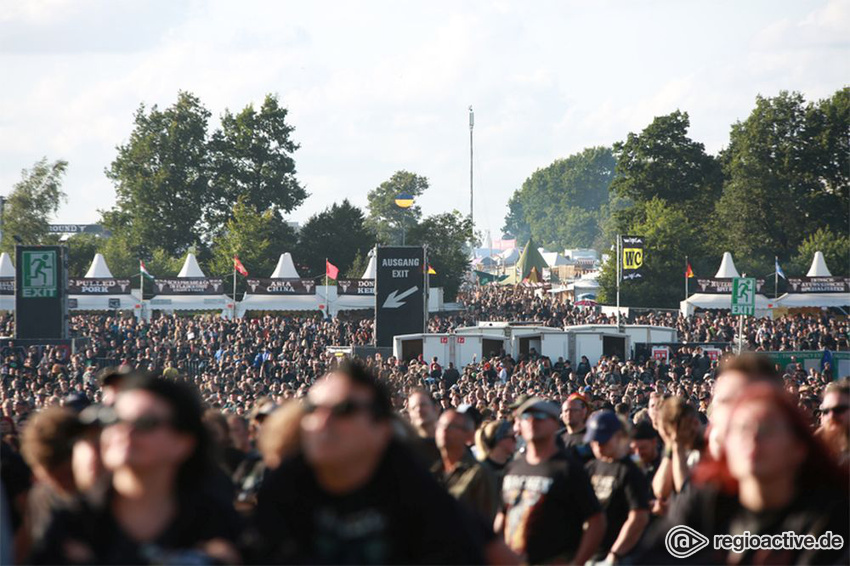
399,293
819,284
721,286
632,257
281,287
98,286
355,287
75,229
7,286
188,286
41,282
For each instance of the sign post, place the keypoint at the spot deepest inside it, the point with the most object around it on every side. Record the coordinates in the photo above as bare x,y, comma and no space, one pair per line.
743,303
400,290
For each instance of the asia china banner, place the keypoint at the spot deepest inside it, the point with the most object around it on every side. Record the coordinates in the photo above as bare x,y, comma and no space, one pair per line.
281,286
721,286
188,286
7,286
819,284
632,252
98,286
356,287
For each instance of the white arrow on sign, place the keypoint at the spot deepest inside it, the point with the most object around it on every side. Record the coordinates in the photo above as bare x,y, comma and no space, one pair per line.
394,300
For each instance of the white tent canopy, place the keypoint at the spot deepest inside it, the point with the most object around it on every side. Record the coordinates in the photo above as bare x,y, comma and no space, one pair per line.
372,268
510,256
285,268
554,259
6,267
727,267
818,267
191,267
711,301
98,268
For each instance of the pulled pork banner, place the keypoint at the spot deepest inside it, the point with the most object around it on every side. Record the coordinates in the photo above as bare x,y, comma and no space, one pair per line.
98,286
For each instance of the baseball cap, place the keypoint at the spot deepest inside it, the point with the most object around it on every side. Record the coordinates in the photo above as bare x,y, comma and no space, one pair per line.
601,426
578,397
542,405
76,401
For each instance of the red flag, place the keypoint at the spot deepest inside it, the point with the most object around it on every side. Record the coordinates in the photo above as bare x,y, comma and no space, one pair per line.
331,270
237,265
689,273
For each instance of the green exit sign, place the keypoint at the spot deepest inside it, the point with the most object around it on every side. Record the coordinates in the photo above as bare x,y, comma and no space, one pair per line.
39,274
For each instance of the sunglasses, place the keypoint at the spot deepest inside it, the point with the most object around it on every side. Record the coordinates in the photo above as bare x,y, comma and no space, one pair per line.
536,415
836,410
144,423
343,409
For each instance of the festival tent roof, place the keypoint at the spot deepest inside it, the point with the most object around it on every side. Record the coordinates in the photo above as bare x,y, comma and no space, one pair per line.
372,268
285,268
530,259
510,256
98,268
554,259
818,268
191,267
727,267
6,267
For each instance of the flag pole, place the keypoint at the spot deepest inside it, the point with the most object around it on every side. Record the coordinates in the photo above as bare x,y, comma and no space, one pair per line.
687,264
327,302
775,277
234,290
618,282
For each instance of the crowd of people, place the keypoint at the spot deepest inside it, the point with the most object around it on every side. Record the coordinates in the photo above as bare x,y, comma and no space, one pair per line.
204,440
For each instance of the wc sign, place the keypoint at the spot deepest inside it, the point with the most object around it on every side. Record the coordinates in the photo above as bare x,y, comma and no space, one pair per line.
39,274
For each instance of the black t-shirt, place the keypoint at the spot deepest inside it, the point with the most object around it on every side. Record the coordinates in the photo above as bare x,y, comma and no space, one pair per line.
711,512
545,506
576,446
401,516
620,487
88,529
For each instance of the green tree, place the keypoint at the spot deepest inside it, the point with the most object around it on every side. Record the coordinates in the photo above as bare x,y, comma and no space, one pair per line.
358,266
669,238
161,178
81,251
33,201
565,204
337,233
385,218
447,238
258,238
786,169
122,261
835,248
252,159
663,162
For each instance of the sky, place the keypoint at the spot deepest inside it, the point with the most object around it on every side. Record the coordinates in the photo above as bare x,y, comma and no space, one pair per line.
373,87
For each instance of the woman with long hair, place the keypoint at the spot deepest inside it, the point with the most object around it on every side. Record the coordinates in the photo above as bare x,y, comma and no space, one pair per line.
772,477
161,504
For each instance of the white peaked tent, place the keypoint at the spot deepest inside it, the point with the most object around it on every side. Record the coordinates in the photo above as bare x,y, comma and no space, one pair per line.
372,268
807,300
554,259
171,303
98,268
818,267
7,272
718,301
96,302
510,256
191,267
727,267
285,268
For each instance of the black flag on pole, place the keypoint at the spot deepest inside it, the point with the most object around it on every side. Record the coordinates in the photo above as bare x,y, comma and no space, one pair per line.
632,257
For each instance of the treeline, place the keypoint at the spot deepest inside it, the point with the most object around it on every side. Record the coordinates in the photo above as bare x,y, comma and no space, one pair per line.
781,187
182,187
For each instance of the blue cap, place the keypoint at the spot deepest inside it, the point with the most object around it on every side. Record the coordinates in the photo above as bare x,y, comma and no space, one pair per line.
601,426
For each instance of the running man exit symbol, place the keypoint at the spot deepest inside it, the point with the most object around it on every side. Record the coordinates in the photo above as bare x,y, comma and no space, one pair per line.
39,274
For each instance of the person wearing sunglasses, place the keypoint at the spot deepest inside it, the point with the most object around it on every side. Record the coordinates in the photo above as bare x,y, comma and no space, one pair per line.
835,421
159,505
546,495
354,494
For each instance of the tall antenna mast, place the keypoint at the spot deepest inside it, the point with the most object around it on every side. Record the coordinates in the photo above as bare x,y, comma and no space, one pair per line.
471,210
